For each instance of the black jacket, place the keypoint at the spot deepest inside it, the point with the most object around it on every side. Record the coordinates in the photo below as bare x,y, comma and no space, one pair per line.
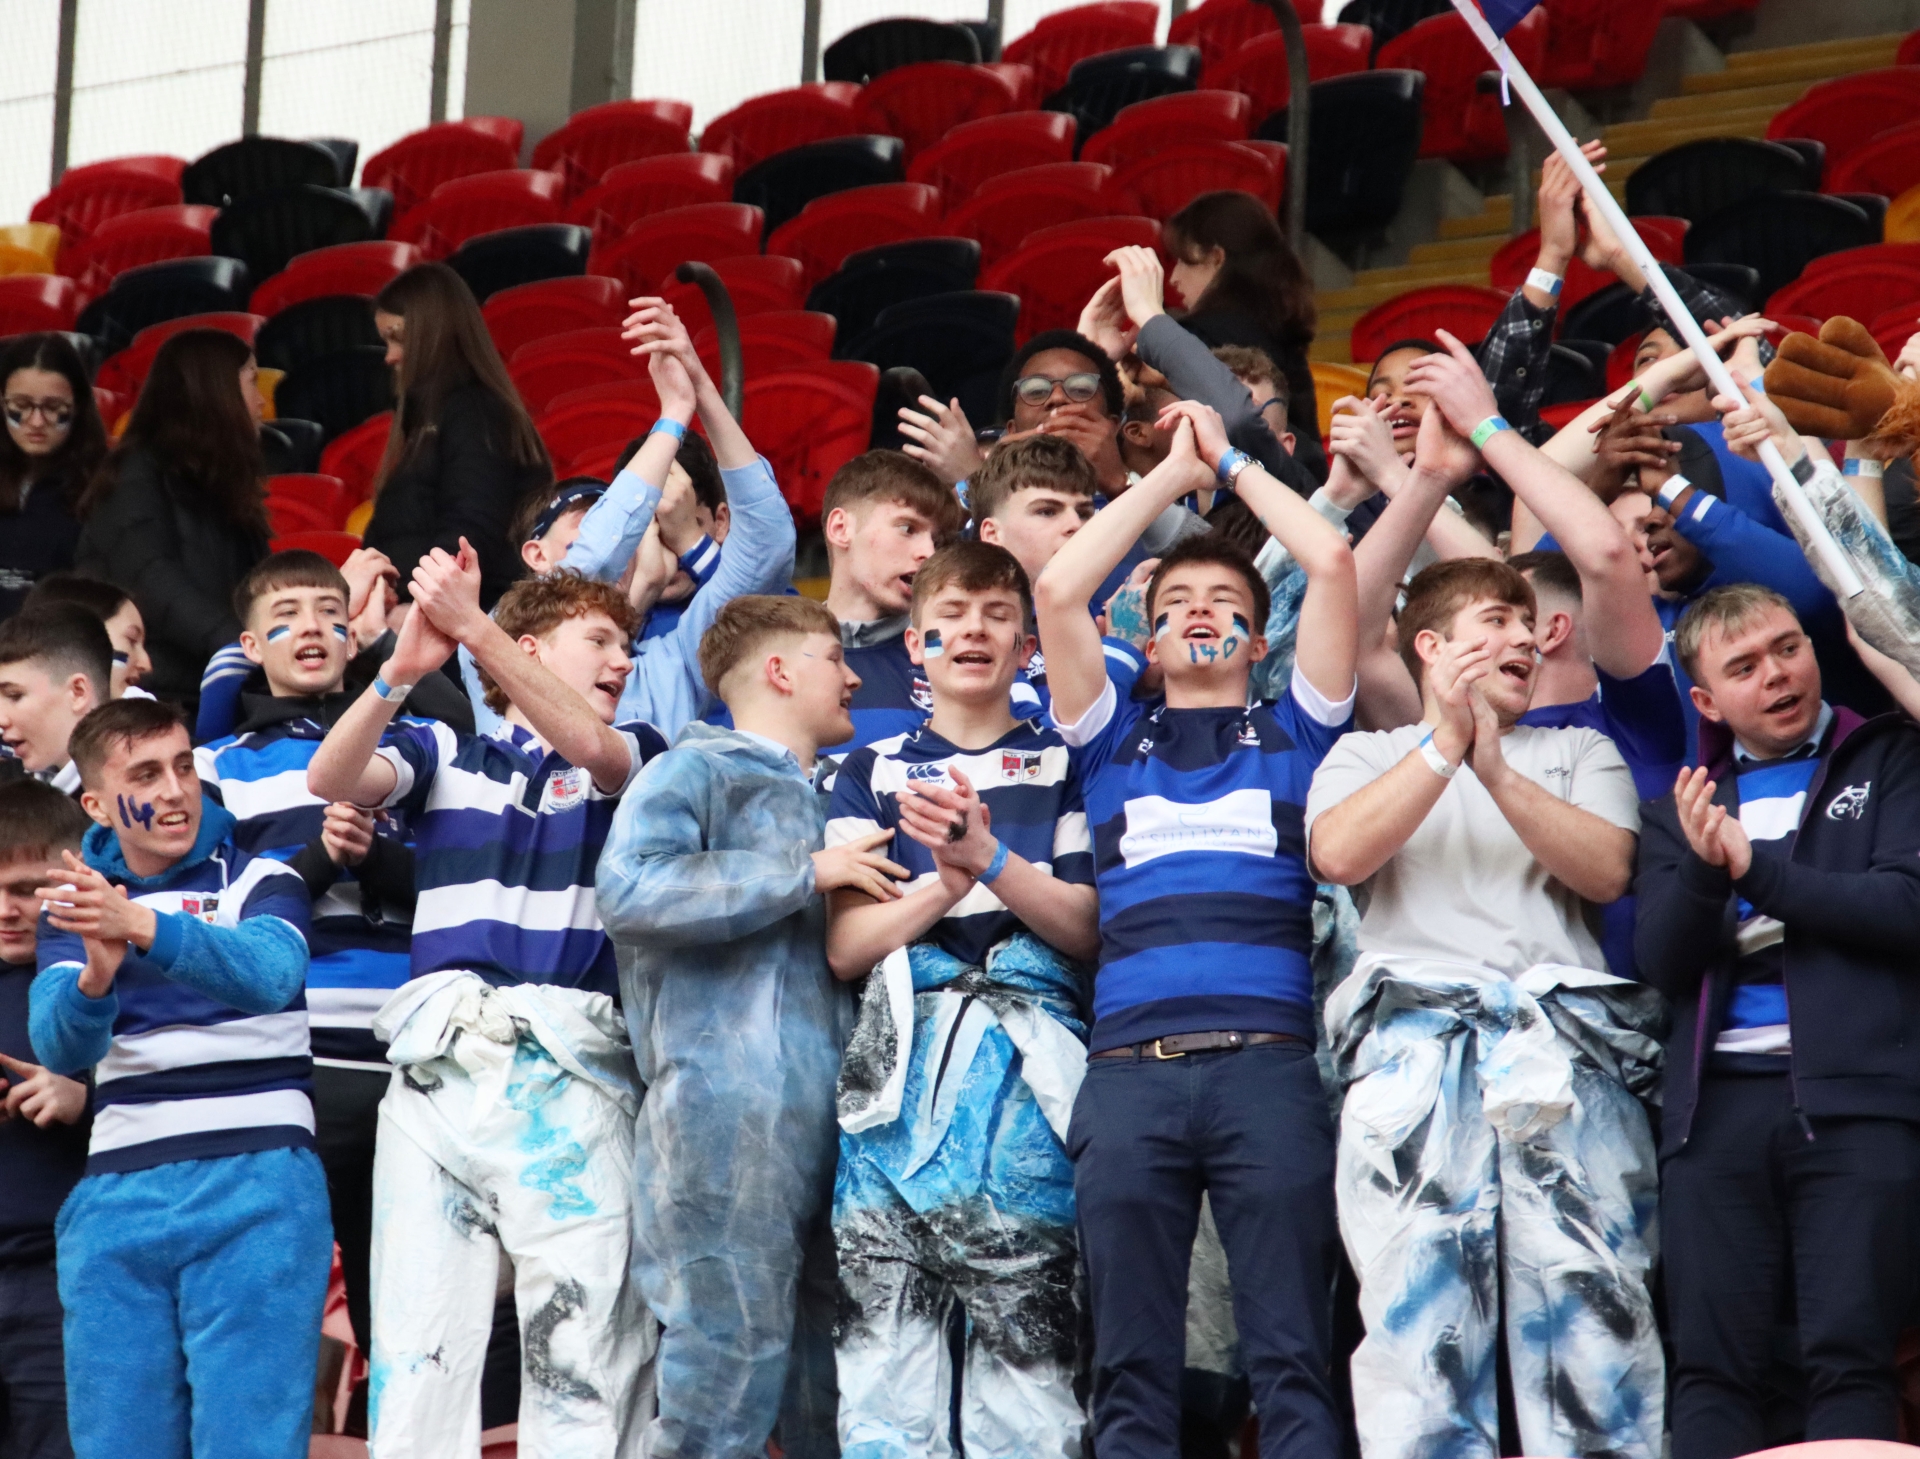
457,481
1228,326
1847,887
180,562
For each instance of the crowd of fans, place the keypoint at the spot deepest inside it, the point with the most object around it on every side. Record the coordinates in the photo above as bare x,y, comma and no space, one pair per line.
1059,994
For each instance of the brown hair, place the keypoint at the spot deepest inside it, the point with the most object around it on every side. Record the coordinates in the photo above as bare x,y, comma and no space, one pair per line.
1439,592
294,569
193,420
447,346
1049,463
749,621
69,466
64,639
973,567
1726,610
99,597
894,476
1551,570
1250,363
1212,547
37,822
1261,276
122,722
539,605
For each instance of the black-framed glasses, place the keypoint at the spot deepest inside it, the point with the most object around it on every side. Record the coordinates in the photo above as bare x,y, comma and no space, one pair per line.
56,413
1038,389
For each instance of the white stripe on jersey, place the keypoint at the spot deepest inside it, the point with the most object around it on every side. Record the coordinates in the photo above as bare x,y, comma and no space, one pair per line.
249,798
182,1045
345,1007
116,1126
569,909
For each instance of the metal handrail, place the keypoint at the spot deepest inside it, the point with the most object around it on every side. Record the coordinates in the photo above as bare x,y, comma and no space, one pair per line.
1299,84
733,373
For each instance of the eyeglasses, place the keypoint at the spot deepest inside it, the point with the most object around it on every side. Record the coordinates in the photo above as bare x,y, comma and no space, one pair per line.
56,413
1038,389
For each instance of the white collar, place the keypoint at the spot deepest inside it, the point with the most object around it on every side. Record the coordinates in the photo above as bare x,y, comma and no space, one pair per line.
1742,755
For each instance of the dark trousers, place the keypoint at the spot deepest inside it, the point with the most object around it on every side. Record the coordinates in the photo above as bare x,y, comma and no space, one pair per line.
1250,1128
1754,1217
33,1380
346,1116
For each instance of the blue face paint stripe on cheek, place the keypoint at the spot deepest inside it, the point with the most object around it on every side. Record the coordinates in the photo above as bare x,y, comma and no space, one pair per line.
132,813
274,635
1162,625
930,644
340,631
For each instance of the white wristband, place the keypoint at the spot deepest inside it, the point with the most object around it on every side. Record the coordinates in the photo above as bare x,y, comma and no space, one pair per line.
1546,283
1436,762
392,693
1670,493
1863,466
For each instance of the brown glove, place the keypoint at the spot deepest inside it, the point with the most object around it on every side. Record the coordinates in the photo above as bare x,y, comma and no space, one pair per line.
1837,386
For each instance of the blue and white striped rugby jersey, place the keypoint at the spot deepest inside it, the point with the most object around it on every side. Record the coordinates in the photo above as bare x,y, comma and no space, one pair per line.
188,1077
360,946
1199,846
1030,787
507,836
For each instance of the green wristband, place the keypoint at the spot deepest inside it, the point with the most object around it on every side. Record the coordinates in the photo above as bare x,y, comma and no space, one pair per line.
1488,429
1647,402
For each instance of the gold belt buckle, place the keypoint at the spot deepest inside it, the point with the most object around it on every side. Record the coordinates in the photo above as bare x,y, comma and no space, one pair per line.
1158,1055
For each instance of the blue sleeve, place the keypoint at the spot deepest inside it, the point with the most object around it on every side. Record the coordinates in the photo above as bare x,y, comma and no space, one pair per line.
70,1032
1072,837
417,746
612,528
1743,551
279,894
258,967
701,561
1644,719
658,881
220,686
1101,746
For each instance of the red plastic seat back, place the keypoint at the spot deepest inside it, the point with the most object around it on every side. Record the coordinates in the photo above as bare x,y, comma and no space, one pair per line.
973,152
326,496
1593,44
1849,111
1145,127
757,284
525,312
151,235
544,368
344,268
1057,269
1007,208
87,196
635,190
1059,40
1894,328
1889,164
354,456
1163,183
1665,239
1902,253
921,103
779,339
656,245
33,303
1866,289
336,547
420,161
601,137
484,203
1458,121
126,371
764,125
809,423
1465,310
1259,68
607,414
827,229
1220,27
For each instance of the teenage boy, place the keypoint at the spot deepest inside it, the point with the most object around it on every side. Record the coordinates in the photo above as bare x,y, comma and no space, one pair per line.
357,871
1201,1076
194,1254
1519,1178
1779,891
118,614
508,1122
710,887
43,1134
978,993
56,664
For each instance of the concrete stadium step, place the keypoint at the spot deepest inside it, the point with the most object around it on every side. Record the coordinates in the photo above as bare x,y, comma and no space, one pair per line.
1495,218
1467,252
1808,63
1716,103
1656,134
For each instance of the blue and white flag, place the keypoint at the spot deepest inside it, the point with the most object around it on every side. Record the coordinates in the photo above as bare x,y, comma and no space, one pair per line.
1504,15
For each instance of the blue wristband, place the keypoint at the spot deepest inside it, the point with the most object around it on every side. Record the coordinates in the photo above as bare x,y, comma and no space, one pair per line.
665,427
997,865
1232,462
1488,429
392,693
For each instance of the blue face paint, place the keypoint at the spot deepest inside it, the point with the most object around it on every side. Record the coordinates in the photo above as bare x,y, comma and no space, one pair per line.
340,632
1242,632
930,645
132,814
1162,625
275,634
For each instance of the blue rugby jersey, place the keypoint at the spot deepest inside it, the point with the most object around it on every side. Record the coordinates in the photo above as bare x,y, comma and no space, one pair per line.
1199,845
360,946
1030,787
507,837
188,1076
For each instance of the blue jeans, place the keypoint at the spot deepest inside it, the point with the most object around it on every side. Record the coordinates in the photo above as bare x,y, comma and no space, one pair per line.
193,1294
1250,1129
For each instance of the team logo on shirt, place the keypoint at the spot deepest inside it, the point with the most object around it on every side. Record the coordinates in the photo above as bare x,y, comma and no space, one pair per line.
1018,766
1249,733
566,788
922,693
934,773
207,909
1037,666
1851,803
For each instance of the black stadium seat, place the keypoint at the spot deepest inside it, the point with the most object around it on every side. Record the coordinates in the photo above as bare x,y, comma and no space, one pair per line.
339,390
960,342
255,165
786,182
1779,234
1697,179
1361,148
874,278
291,447
316,327
1100,85
1388,18
155,292
875,49
1573,374
510,256
268,229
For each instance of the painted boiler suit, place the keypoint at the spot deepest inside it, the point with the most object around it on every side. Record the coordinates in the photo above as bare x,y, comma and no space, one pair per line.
1492,1136
954,1185
508,1126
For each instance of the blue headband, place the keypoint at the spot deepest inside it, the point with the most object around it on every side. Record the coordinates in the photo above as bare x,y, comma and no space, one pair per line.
585,494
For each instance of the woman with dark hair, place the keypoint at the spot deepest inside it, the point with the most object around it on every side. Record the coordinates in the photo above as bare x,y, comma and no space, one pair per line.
53,444
1241,283
463,453
177,516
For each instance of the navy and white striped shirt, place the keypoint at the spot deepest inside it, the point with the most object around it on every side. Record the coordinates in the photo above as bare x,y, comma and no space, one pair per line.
507,836
1030,787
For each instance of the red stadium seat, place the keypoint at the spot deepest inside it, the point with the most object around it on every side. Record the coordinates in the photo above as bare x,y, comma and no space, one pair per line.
1620,361
1596,44
1145,127
1026,85
112,405
829,228
1218,28
526,312
1848,112
1895,327
1067,36
1909,52
87,196
420,161
345,268
1697,10
1458,121
636,190
33,303
1057,269
921,103
127,240
336,547
764,125
1009,207
484,203
1259,68
1864,289
1162,184
126,370
809,423
287,515
973,152
780,339
327,496
354,456
544,368
599,138
757,284
1467,311
1664,237
662,242
607,414
1901,253
1889,164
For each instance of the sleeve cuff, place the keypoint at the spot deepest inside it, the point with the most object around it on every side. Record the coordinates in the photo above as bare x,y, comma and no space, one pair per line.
1097,716
701,557
168,938
1322,502
1319,708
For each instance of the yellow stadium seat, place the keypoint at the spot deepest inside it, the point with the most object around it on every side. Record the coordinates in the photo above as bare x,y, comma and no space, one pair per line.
1330,382
358,518
28,248
1903,218
269,381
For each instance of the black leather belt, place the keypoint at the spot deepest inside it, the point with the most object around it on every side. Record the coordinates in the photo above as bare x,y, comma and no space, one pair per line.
1179,1045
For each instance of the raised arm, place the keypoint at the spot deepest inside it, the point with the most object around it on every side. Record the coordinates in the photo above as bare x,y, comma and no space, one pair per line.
345,766
1441,461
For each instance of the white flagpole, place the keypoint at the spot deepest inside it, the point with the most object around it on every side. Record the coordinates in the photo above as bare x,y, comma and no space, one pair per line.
1840,571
